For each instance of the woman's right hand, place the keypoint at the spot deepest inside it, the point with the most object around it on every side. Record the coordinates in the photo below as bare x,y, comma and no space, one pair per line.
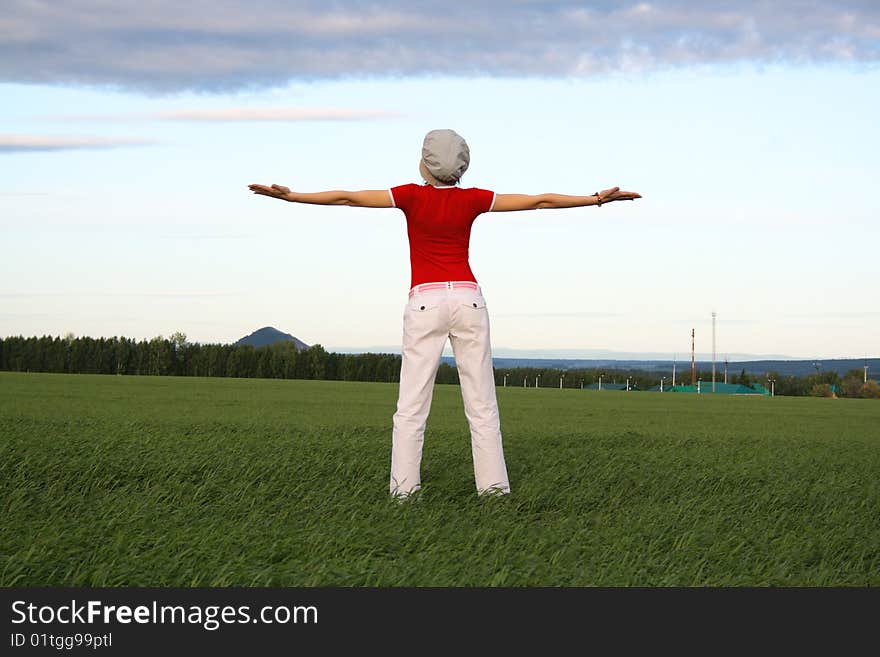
275,191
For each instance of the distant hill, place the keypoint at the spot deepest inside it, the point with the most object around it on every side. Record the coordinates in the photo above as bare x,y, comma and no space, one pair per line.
270,335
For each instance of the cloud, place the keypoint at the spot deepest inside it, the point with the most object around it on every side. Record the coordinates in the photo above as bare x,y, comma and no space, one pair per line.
722,321
241,114
32,143
837,314
166,46
174,295
542,315
206,236
16,316
274,114
162,295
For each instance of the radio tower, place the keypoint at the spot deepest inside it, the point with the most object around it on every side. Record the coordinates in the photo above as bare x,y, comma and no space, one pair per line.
693,362
713,350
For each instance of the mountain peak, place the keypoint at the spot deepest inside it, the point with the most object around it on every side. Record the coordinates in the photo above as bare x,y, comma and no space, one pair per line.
270,335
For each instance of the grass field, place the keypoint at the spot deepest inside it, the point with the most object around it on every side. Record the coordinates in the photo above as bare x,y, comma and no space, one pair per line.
163,481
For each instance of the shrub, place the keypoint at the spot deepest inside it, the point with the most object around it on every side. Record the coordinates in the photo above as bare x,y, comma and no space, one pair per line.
870,390
822,390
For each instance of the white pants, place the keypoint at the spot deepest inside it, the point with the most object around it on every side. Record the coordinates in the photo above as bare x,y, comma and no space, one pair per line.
430,316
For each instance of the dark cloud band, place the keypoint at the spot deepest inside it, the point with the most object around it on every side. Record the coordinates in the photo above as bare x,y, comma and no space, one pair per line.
165,45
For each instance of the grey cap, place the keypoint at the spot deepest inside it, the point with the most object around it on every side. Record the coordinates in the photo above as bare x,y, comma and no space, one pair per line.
446,155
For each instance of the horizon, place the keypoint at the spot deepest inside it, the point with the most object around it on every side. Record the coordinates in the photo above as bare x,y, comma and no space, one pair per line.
749,133
502,352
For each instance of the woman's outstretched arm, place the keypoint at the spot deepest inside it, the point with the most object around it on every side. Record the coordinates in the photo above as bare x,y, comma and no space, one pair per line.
512,202
369,198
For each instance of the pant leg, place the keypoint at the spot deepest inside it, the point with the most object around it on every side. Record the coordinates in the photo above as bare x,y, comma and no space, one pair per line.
425,329
473,356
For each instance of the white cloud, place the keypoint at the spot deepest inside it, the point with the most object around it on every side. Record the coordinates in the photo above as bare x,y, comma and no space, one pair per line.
242,114
273,114
23,143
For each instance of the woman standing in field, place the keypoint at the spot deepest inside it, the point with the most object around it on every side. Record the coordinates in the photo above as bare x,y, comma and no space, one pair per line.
445,300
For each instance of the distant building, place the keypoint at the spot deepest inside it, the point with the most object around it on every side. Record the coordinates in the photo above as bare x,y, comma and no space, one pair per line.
607,386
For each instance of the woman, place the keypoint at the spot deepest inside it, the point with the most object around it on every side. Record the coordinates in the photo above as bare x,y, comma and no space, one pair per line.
445,301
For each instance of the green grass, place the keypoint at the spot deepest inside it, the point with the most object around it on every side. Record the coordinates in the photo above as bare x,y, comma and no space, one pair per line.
163,481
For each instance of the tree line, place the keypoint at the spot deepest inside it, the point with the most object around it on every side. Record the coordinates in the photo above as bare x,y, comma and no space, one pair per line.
175,356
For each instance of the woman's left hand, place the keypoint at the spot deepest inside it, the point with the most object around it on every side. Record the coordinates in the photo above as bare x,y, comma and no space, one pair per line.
616,194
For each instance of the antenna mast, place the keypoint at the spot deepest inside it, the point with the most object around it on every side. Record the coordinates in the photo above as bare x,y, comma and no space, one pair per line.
693,362
713,350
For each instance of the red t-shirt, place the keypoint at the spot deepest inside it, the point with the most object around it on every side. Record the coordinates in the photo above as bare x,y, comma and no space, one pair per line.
438,223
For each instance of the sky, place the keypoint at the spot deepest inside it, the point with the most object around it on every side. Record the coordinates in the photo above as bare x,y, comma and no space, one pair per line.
130,131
